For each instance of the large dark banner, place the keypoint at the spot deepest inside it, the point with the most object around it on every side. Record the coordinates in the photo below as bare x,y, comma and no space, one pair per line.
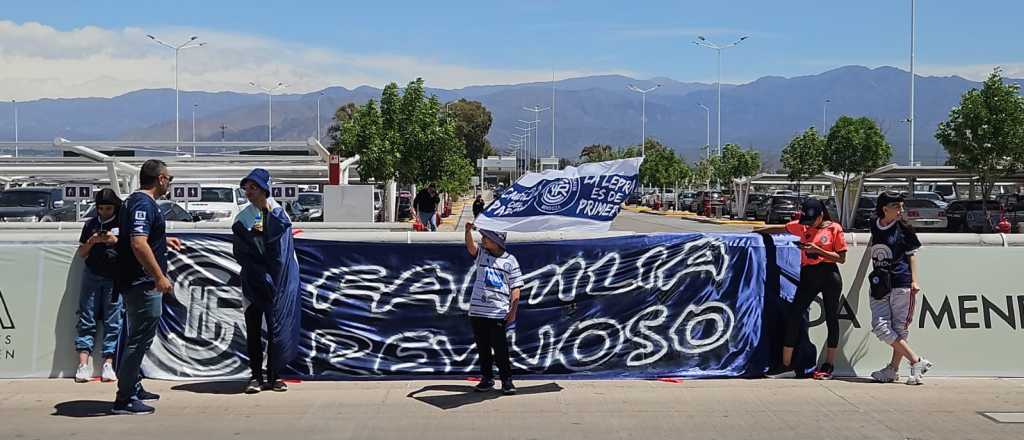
635,306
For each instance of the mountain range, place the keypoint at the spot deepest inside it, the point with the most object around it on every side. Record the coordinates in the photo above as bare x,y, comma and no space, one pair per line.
764,114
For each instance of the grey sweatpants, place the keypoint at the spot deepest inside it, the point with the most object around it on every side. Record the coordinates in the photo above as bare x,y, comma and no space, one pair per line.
891,316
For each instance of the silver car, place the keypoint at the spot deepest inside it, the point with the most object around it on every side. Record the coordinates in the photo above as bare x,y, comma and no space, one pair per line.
925,214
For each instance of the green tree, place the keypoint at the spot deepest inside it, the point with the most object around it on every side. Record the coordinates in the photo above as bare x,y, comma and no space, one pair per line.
804,157
363,135
985,134
342,115
736,163
472,123
855,146
597,153
661,167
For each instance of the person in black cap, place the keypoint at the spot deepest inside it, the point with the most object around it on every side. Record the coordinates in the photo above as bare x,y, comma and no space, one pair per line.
97,298
823,247
893,282
265,251
493,305
478,205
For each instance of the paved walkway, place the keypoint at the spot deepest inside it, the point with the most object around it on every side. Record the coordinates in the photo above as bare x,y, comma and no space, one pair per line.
422,410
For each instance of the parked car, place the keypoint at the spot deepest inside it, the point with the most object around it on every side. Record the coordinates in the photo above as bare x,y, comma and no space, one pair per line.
218,203
969,215
754,201
172,212
35,204
928,195
404,204
668,197
865,211
312,205
686,199
634,198
779,209
925,213
712,198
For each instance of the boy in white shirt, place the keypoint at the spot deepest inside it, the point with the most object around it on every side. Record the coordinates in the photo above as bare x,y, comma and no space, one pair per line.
493,305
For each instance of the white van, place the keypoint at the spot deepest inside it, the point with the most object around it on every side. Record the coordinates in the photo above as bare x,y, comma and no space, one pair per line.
218,203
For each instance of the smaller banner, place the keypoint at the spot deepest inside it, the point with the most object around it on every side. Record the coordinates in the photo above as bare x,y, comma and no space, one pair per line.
585,198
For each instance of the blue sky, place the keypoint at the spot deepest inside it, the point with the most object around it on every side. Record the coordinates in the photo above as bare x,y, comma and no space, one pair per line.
464,43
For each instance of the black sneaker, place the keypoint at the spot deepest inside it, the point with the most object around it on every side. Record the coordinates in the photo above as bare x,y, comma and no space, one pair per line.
132,407
485,384
279,386
253,387
507,388
146,396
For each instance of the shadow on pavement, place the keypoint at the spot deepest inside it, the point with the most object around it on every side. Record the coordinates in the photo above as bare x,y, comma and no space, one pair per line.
213,387
855,379
461,395
83,408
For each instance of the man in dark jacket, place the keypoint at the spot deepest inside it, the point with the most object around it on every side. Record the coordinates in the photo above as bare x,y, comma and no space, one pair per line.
478,205
425,204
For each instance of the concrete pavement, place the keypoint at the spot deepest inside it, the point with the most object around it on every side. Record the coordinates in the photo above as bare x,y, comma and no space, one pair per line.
561,409
636,222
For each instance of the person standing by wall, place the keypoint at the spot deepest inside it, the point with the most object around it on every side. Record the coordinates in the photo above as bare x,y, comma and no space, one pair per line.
894,285
265,250
142,256
493,305
478,205
425,205
98,301
823,248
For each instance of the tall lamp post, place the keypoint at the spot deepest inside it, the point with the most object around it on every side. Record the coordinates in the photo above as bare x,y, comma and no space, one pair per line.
527,155
913,30
536,120
703,42
195,108
824,115
643,113
177,114
14,103
321,95
707,111
270,108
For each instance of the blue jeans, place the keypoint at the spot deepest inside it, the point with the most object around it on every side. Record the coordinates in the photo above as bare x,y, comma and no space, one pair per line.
143,305
429,219
97,300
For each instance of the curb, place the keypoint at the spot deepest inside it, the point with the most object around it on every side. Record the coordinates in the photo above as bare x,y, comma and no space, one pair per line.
712,221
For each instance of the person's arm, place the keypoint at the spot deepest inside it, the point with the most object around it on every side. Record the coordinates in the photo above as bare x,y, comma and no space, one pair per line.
914,287
828,256
513,306
143,253
776,229
471,246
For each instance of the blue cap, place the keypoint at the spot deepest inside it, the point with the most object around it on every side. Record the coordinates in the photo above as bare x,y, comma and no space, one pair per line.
260,177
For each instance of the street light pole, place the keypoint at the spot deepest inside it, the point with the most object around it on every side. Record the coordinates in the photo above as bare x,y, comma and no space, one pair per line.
195,107
913,30
15,104
536,120
177,113
643,113
321,95
703,42
707,144
824,115
270,108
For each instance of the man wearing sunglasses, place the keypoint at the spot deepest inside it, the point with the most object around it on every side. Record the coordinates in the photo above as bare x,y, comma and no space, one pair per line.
142,255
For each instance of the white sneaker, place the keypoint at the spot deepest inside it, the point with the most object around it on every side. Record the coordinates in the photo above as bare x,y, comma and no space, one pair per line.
83,374
108,373
918,370
886,375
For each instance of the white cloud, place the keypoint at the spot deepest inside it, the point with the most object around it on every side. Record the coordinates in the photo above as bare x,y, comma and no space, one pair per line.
974,72
39,61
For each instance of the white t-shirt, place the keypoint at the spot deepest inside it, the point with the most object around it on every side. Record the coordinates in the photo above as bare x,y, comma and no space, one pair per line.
495,279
